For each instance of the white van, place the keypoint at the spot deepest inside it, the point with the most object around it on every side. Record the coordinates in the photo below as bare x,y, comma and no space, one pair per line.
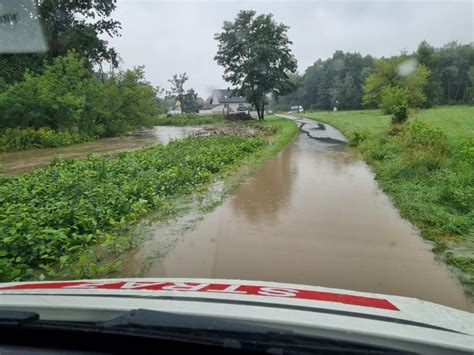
297,109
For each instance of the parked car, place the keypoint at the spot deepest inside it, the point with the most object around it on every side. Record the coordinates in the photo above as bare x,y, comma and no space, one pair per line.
242,108
297,109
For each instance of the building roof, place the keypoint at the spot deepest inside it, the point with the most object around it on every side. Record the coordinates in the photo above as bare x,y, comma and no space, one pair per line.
225,97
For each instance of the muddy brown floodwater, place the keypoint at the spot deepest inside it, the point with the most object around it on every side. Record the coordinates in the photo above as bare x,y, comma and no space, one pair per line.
22,161
313,215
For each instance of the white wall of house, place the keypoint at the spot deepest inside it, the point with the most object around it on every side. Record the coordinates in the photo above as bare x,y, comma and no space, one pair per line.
217,109
221,109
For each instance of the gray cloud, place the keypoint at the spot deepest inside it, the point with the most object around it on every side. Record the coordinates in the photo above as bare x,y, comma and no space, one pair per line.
172,37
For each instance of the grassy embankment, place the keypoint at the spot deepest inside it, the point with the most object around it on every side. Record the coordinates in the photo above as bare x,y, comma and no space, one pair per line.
67,219
427,168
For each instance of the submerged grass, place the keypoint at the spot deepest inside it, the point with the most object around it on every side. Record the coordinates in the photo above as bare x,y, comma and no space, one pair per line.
426,167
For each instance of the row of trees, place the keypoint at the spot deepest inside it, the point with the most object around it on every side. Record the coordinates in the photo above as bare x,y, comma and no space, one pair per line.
429,76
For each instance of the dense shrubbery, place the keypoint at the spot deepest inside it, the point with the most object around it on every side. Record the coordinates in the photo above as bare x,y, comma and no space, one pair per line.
239,116
69,96
432,183
395,102
29,138
51,217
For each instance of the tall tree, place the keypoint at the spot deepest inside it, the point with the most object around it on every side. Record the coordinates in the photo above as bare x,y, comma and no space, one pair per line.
68,25
177,89
191,102
77,25
336,79
401,71
256,56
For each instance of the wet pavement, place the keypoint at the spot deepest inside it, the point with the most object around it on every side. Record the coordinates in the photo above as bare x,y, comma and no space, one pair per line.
312,215
23,161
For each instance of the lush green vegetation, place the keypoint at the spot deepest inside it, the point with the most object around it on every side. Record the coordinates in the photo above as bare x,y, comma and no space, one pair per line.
426,167
455,121
30,138
68,97
49,218
63,220
255,52
63,96
80,25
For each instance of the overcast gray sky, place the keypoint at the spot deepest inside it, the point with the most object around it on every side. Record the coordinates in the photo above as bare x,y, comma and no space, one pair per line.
171,37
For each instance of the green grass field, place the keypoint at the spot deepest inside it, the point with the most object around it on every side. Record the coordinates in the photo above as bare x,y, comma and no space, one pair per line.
457,122
426,167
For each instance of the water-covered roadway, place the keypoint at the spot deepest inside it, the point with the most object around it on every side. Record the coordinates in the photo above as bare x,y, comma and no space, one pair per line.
313,215
22,161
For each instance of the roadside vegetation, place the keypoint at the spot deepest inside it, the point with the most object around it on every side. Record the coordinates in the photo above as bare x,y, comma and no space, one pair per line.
188,120
426,167
68,219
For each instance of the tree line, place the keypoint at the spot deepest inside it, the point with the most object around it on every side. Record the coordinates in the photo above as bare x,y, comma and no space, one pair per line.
429,76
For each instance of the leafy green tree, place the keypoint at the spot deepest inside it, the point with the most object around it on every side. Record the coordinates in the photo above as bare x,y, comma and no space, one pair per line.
337,79
191,103
449,66
177,89
124,101
471,79
471,75
78,25
395,102
296,97
256,56
68,96
401,71
54,99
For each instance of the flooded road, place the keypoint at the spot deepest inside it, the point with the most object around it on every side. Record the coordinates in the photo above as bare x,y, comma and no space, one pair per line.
313,215
22,161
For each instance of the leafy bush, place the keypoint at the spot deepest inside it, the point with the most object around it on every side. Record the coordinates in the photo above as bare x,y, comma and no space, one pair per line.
29,138
430,180
68,96
395,102
239,116
51,217
357,138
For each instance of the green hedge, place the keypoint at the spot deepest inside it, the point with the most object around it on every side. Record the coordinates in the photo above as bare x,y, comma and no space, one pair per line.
30,138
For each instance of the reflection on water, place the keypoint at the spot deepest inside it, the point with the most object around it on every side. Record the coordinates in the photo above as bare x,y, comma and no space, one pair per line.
313,215
257,201
22,161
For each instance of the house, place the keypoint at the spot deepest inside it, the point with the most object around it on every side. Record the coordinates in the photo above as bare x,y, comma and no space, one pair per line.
223,101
